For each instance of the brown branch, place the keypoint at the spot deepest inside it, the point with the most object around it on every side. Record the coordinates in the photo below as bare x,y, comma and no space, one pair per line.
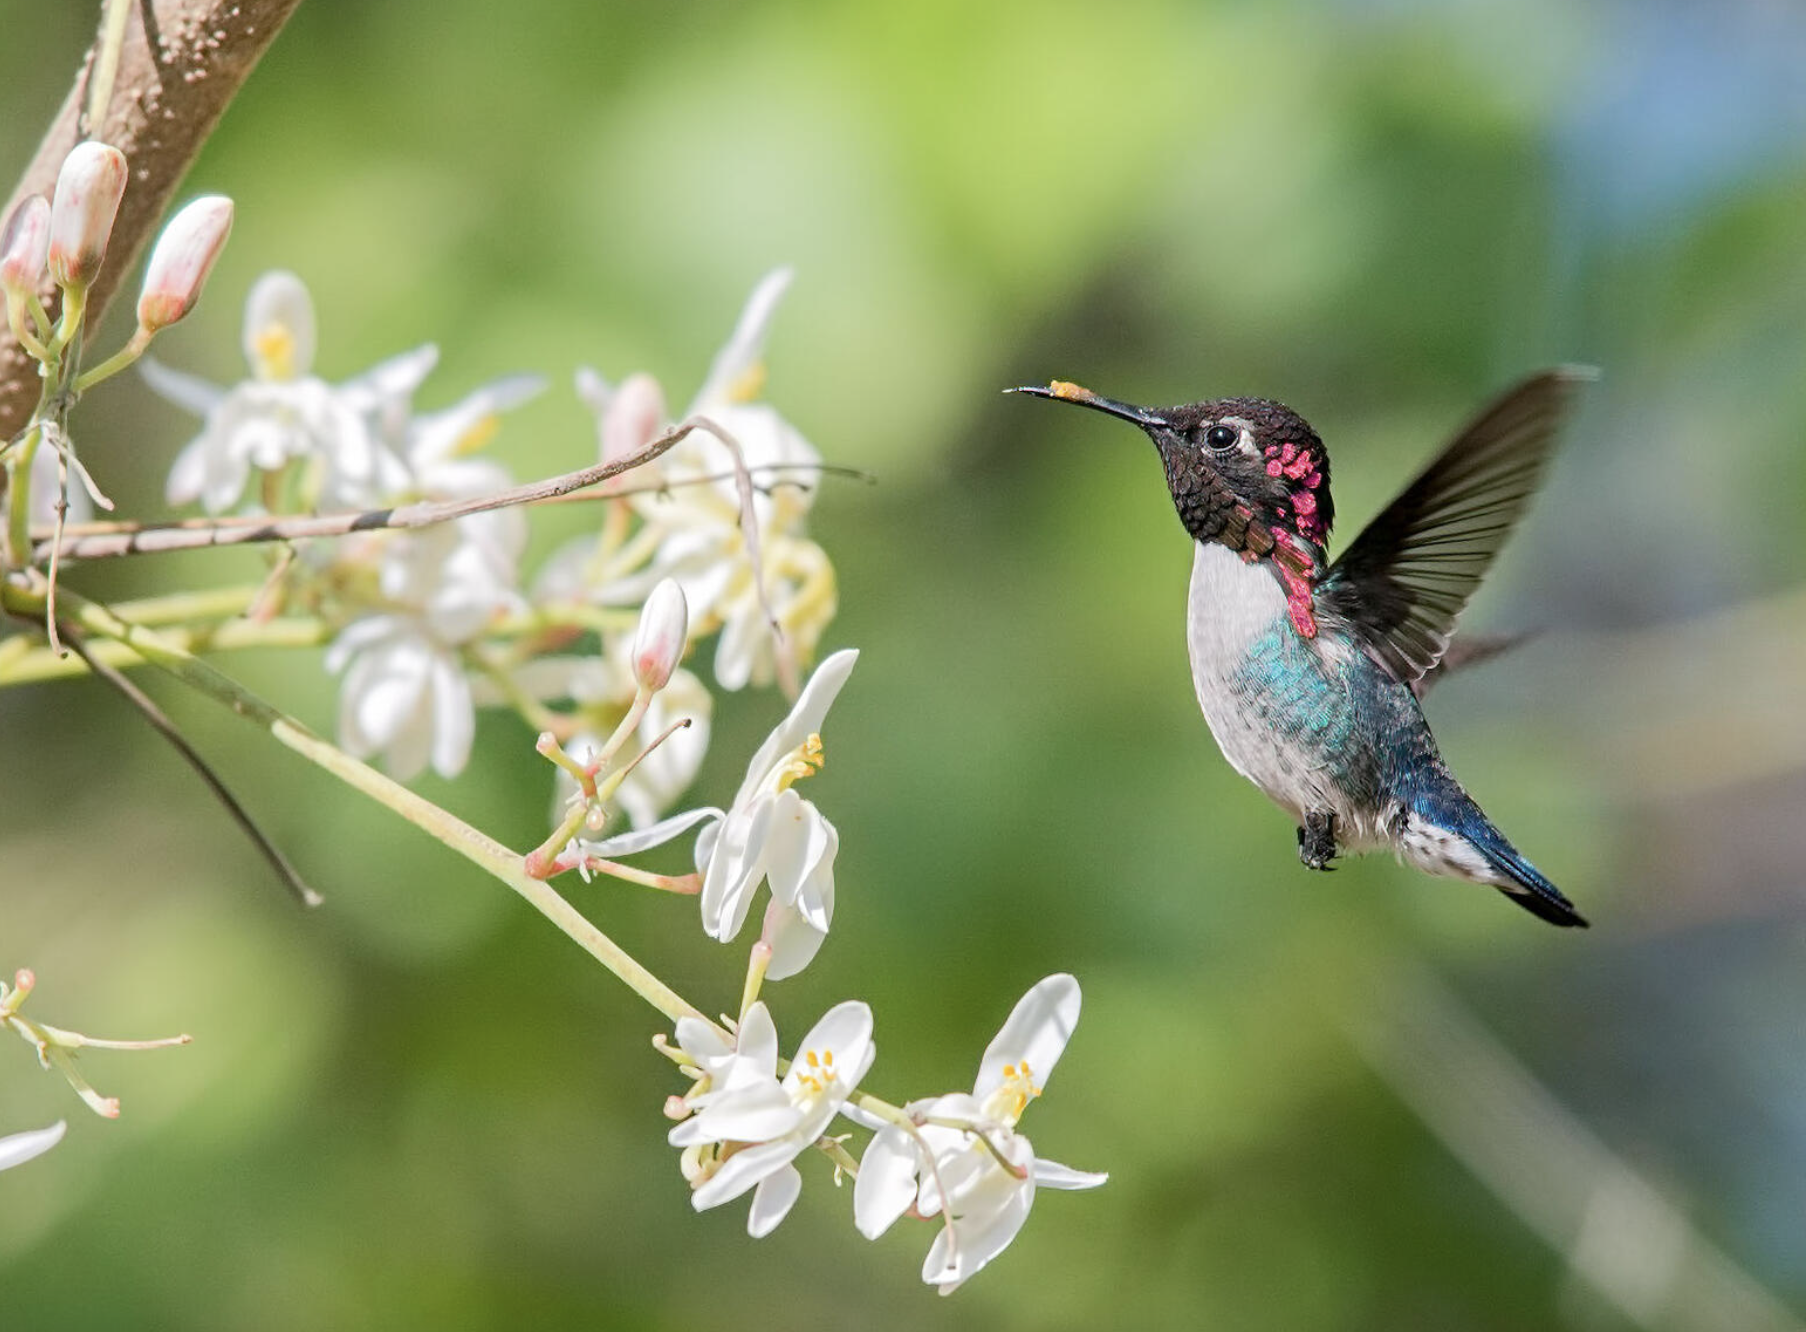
181,63
153,540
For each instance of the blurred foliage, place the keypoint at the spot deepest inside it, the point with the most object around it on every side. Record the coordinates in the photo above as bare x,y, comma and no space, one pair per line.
421,1107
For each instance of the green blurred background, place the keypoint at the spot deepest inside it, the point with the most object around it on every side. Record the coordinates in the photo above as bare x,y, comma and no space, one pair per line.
1318,1097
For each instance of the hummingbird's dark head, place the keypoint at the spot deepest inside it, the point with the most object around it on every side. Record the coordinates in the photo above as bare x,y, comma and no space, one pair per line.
1247,472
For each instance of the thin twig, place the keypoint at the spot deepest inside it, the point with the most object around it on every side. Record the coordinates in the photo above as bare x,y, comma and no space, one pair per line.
163,726
203,532
428,513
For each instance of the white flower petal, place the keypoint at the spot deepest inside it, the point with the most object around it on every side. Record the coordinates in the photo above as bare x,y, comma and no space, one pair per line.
702,1041
643,839
794,941
454,719
279,301
18,1148
758,1112
886,1185
846,1030
757,1038
744,1169
1035,1033
772,1201
805,717
190,392
1053,1175
746,346
735,869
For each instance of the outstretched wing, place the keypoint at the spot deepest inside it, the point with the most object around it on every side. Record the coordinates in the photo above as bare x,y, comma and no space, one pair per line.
1407,576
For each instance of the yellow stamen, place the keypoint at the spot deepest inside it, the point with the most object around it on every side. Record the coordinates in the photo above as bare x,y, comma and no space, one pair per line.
749,383
275,346
481,431
801,762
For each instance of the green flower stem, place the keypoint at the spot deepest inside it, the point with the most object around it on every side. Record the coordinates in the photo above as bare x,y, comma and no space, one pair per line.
20,316
18,522
23,662
453,832
217,603
118,361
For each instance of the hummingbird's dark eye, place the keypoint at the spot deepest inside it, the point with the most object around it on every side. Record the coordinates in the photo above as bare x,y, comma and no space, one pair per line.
1222,437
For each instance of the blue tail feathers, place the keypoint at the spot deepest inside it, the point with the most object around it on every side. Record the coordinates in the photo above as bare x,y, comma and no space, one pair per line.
1457,812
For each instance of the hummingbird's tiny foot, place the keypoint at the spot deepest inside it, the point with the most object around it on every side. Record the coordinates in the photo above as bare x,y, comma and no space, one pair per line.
1317,840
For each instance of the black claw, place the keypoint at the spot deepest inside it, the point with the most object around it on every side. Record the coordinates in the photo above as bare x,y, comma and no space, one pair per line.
1317,840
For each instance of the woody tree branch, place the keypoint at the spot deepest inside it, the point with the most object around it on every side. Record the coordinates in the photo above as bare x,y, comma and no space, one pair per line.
180,63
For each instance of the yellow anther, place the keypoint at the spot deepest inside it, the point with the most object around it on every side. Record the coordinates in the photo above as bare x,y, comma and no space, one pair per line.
275,346
481,431
801,762
814,1059
827,1057
749,384
1013,1094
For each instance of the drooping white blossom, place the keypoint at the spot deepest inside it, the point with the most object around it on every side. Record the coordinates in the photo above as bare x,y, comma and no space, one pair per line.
765,1121
962,1158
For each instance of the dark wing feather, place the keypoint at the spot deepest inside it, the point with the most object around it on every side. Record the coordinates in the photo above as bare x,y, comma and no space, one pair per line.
1402,582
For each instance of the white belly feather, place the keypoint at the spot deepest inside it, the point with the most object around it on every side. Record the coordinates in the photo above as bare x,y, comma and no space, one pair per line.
1232,606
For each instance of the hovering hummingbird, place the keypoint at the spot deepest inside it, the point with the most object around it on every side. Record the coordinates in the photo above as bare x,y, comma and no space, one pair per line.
1310,673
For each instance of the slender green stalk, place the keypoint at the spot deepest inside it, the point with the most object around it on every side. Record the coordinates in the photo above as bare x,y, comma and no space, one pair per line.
467,841
23,662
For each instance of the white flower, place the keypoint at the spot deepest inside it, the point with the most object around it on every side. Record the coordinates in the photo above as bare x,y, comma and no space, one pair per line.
18,1148
404,696
769,834
769,1122
282,412
964,1159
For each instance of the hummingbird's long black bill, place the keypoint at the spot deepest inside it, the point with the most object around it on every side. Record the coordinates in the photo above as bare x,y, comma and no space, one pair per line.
1061,391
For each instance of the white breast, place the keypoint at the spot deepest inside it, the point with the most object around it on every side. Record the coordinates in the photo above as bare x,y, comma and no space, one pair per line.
1232,606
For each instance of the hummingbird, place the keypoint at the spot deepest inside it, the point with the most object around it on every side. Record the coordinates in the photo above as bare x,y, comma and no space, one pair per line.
1310,674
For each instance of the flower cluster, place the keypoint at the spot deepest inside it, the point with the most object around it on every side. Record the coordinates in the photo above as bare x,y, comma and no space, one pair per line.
956,1159
428,625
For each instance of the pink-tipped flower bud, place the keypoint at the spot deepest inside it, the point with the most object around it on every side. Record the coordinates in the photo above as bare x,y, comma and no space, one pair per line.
181,260
24,243
658,645
88,190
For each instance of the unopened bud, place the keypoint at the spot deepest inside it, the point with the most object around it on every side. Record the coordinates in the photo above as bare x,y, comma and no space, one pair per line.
181,260
658,645
88,190
634,415
23,244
